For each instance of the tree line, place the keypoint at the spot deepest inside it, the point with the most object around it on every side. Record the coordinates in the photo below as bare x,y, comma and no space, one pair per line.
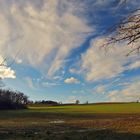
12,99
17,100
47,102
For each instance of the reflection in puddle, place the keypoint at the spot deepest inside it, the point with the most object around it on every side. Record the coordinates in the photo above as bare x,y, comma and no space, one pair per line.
57,121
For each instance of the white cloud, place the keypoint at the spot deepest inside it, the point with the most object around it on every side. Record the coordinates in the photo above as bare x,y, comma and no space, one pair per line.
129,93
71,80
6,72
45,35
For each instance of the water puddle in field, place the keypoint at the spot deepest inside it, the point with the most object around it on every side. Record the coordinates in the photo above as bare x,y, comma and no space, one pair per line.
57,121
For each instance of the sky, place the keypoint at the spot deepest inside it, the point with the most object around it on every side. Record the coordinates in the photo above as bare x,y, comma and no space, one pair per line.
51,51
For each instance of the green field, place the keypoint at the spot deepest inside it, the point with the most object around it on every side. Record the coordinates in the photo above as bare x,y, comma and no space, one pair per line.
76,122
94,108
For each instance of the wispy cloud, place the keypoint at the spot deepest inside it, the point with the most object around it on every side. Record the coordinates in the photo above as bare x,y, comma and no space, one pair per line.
98,63
49,84
46,36
100,89
71,99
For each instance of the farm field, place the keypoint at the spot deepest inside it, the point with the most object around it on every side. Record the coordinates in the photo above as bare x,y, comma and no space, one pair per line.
76,122
70,70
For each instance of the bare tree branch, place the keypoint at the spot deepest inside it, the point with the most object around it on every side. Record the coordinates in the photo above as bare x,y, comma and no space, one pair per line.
2,63
127,31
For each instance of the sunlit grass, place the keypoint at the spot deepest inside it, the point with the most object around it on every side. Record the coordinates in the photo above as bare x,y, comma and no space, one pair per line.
95,108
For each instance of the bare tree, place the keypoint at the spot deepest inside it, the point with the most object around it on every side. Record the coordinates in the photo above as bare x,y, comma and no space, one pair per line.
128,31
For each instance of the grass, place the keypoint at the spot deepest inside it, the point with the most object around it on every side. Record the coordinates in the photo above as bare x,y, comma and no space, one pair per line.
97,121
95,108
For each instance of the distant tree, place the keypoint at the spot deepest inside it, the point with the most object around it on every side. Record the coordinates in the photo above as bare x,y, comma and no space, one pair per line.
86,102
47,102
60,103
137,101
77,102
30,102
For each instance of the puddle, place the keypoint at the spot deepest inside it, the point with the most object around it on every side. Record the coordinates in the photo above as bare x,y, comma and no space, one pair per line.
57,121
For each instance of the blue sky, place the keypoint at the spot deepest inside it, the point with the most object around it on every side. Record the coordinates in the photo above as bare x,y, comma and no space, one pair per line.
53,50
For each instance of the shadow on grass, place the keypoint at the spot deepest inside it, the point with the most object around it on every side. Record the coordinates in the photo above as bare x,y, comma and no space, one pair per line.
68,135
